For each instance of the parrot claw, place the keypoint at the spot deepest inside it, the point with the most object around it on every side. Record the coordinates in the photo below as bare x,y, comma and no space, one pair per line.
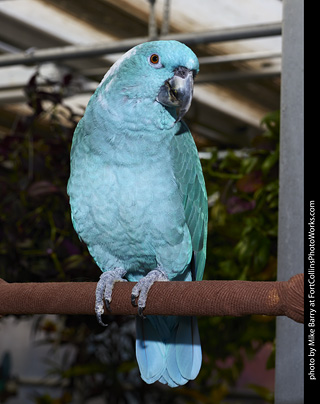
140,309
141,289
133,301
104,291
140,312
107,303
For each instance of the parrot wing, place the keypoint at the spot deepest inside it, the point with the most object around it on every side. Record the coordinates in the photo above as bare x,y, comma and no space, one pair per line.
168,349
189,176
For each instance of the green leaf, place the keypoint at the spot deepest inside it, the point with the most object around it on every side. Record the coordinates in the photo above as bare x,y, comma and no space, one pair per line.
270,161
263,392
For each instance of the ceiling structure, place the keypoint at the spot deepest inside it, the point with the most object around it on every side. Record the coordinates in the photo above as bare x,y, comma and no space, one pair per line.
238,45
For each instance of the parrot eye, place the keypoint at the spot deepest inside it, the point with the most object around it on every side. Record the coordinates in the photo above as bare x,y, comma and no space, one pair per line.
154,60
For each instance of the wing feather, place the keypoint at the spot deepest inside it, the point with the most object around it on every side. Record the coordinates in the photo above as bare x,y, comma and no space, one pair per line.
189,176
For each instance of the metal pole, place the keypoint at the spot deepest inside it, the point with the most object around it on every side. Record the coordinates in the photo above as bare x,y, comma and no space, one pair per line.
221,59
166,18
289,384
237,76
152,21
234,58
74,52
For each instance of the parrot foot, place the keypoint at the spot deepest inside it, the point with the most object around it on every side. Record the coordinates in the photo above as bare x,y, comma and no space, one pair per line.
142,288
104,290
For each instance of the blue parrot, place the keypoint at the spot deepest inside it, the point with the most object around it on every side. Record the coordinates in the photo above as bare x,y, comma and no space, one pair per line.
138,197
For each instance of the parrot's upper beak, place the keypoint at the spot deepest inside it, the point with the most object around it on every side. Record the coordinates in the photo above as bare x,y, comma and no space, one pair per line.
178,91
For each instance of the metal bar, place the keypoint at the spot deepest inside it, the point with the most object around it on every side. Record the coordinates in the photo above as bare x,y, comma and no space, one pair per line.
289,336
238,57
238,75
229,34
74,52
7,48
152,28
166,18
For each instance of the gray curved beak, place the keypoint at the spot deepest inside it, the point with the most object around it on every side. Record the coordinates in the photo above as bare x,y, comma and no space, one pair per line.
178,91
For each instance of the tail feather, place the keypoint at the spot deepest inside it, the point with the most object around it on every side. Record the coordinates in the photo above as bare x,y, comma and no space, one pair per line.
150,353
168,349
166,379
189,356
174,372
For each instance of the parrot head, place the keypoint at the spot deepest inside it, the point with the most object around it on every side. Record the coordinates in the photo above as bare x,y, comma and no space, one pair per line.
160,71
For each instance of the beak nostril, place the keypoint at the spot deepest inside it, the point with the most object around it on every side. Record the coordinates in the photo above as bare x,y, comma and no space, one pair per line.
182,72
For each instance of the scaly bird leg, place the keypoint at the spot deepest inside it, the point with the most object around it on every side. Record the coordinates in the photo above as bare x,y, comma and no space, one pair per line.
142,288
104,290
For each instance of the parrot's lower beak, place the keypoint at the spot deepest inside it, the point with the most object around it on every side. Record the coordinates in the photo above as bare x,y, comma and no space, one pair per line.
178,91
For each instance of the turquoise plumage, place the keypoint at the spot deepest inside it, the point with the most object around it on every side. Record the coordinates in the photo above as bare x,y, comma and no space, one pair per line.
138,197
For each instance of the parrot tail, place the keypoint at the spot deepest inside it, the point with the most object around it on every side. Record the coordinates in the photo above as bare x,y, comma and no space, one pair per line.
168,349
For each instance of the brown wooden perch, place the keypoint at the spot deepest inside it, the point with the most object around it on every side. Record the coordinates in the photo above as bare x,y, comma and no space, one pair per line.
202,298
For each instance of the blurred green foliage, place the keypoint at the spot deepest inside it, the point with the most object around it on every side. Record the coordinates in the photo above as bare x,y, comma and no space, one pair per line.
38,243
243,186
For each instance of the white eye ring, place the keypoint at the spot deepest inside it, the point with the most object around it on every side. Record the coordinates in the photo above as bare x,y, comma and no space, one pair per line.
154,61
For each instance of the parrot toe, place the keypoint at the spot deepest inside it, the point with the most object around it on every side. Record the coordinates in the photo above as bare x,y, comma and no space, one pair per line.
104,290
133,301
141,289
